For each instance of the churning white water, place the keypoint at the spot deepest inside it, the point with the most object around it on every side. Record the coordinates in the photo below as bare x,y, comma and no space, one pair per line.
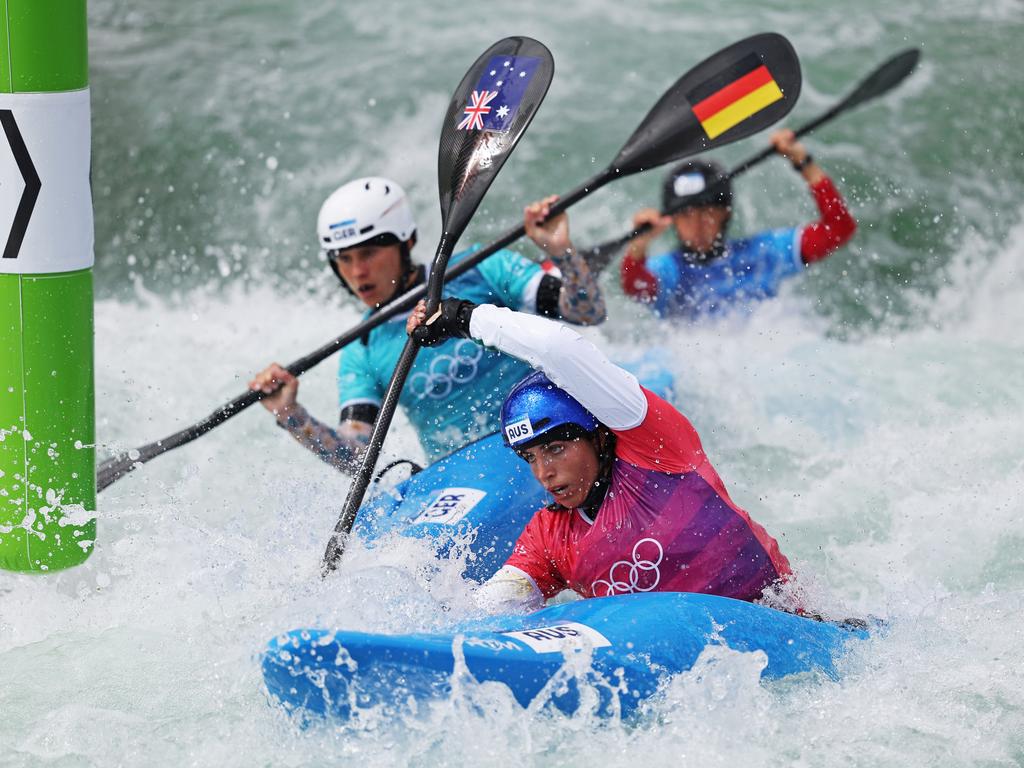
872,418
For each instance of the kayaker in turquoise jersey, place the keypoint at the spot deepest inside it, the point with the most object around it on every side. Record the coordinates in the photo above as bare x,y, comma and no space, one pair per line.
709,274
454,392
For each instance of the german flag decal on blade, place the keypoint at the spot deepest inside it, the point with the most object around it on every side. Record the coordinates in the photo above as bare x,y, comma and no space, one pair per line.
733,95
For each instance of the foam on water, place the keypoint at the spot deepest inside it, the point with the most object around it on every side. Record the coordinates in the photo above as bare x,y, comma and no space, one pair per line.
871,418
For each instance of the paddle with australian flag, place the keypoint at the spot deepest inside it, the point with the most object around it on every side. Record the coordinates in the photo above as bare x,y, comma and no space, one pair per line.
495,100
487,116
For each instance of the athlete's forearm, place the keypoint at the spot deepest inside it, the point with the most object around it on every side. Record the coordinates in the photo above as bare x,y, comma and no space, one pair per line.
612,394
835,227
581,300
341,448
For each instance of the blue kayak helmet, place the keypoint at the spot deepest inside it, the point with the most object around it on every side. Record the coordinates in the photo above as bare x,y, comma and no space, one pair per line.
536,407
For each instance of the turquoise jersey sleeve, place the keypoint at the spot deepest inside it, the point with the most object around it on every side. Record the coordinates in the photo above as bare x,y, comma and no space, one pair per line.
512,278
356,380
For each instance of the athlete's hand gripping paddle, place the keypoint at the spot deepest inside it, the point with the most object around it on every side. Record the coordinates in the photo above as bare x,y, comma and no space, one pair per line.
882,80
488,114
669,132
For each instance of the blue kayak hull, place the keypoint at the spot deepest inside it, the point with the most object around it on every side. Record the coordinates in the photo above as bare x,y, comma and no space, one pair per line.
479,498
634,642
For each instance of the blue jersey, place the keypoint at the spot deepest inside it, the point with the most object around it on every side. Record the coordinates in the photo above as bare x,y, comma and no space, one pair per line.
751,269
454,391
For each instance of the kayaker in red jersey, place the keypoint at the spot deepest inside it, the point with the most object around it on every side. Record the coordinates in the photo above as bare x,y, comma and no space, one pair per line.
636,504
709,274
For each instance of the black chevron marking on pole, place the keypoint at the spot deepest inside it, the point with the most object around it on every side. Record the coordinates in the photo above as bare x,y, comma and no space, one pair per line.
32,184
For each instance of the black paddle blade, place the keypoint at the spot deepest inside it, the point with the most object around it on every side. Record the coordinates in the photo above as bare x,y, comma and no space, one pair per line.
736,92
885,78
488,114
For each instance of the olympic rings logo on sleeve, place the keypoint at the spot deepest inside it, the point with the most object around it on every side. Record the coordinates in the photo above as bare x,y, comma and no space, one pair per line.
640,575
445,371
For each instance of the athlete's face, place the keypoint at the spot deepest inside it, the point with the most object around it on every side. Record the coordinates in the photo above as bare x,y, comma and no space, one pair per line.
699,228
567,469
371,271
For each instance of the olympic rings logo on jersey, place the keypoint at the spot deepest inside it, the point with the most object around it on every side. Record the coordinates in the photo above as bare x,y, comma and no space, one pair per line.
445,371
640,575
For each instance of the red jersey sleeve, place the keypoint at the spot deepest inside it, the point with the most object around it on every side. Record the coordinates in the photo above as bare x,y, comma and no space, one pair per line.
532,556
664,441
638,281
833,230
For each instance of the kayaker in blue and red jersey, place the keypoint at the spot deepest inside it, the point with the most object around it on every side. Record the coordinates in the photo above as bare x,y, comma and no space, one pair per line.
636,504
709,274
367,232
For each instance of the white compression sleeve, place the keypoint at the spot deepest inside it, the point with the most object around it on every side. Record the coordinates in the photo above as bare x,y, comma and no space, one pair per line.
612,394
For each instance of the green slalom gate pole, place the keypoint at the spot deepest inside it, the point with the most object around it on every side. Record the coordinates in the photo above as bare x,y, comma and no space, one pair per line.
47,424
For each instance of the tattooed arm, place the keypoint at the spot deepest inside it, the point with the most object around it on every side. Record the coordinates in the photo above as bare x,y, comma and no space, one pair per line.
580,299
342,448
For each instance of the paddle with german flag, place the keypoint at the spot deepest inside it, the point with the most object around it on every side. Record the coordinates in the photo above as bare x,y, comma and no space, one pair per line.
726,100
732,96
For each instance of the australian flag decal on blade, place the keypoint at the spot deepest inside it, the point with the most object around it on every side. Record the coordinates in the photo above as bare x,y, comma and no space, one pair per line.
493,104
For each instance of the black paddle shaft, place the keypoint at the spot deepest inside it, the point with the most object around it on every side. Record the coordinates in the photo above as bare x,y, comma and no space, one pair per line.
113,469
361,482
883,79
469,158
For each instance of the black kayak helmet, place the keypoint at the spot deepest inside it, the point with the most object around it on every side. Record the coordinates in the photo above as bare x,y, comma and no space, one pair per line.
695,184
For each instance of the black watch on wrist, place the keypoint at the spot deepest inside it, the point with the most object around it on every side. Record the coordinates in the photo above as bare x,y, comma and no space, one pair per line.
808,159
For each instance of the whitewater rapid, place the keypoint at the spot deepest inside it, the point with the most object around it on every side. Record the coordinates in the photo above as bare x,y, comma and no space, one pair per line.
872,419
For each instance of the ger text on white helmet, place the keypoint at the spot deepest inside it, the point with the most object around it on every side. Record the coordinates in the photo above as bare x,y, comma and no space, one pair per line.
362,210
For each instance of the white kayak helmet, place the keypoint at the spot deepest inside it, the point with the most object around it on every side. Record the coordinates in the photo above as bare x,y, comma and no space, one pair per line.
364,210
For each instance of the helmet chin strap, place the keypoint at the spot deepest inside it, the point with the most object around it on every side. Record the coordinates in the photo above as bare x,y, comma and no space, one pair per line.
410,273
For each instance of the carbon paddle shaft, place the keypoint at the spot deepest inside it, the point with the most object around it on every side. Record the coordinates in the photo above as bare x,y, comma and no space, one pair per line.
356,492
470,155
767,152
608,250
